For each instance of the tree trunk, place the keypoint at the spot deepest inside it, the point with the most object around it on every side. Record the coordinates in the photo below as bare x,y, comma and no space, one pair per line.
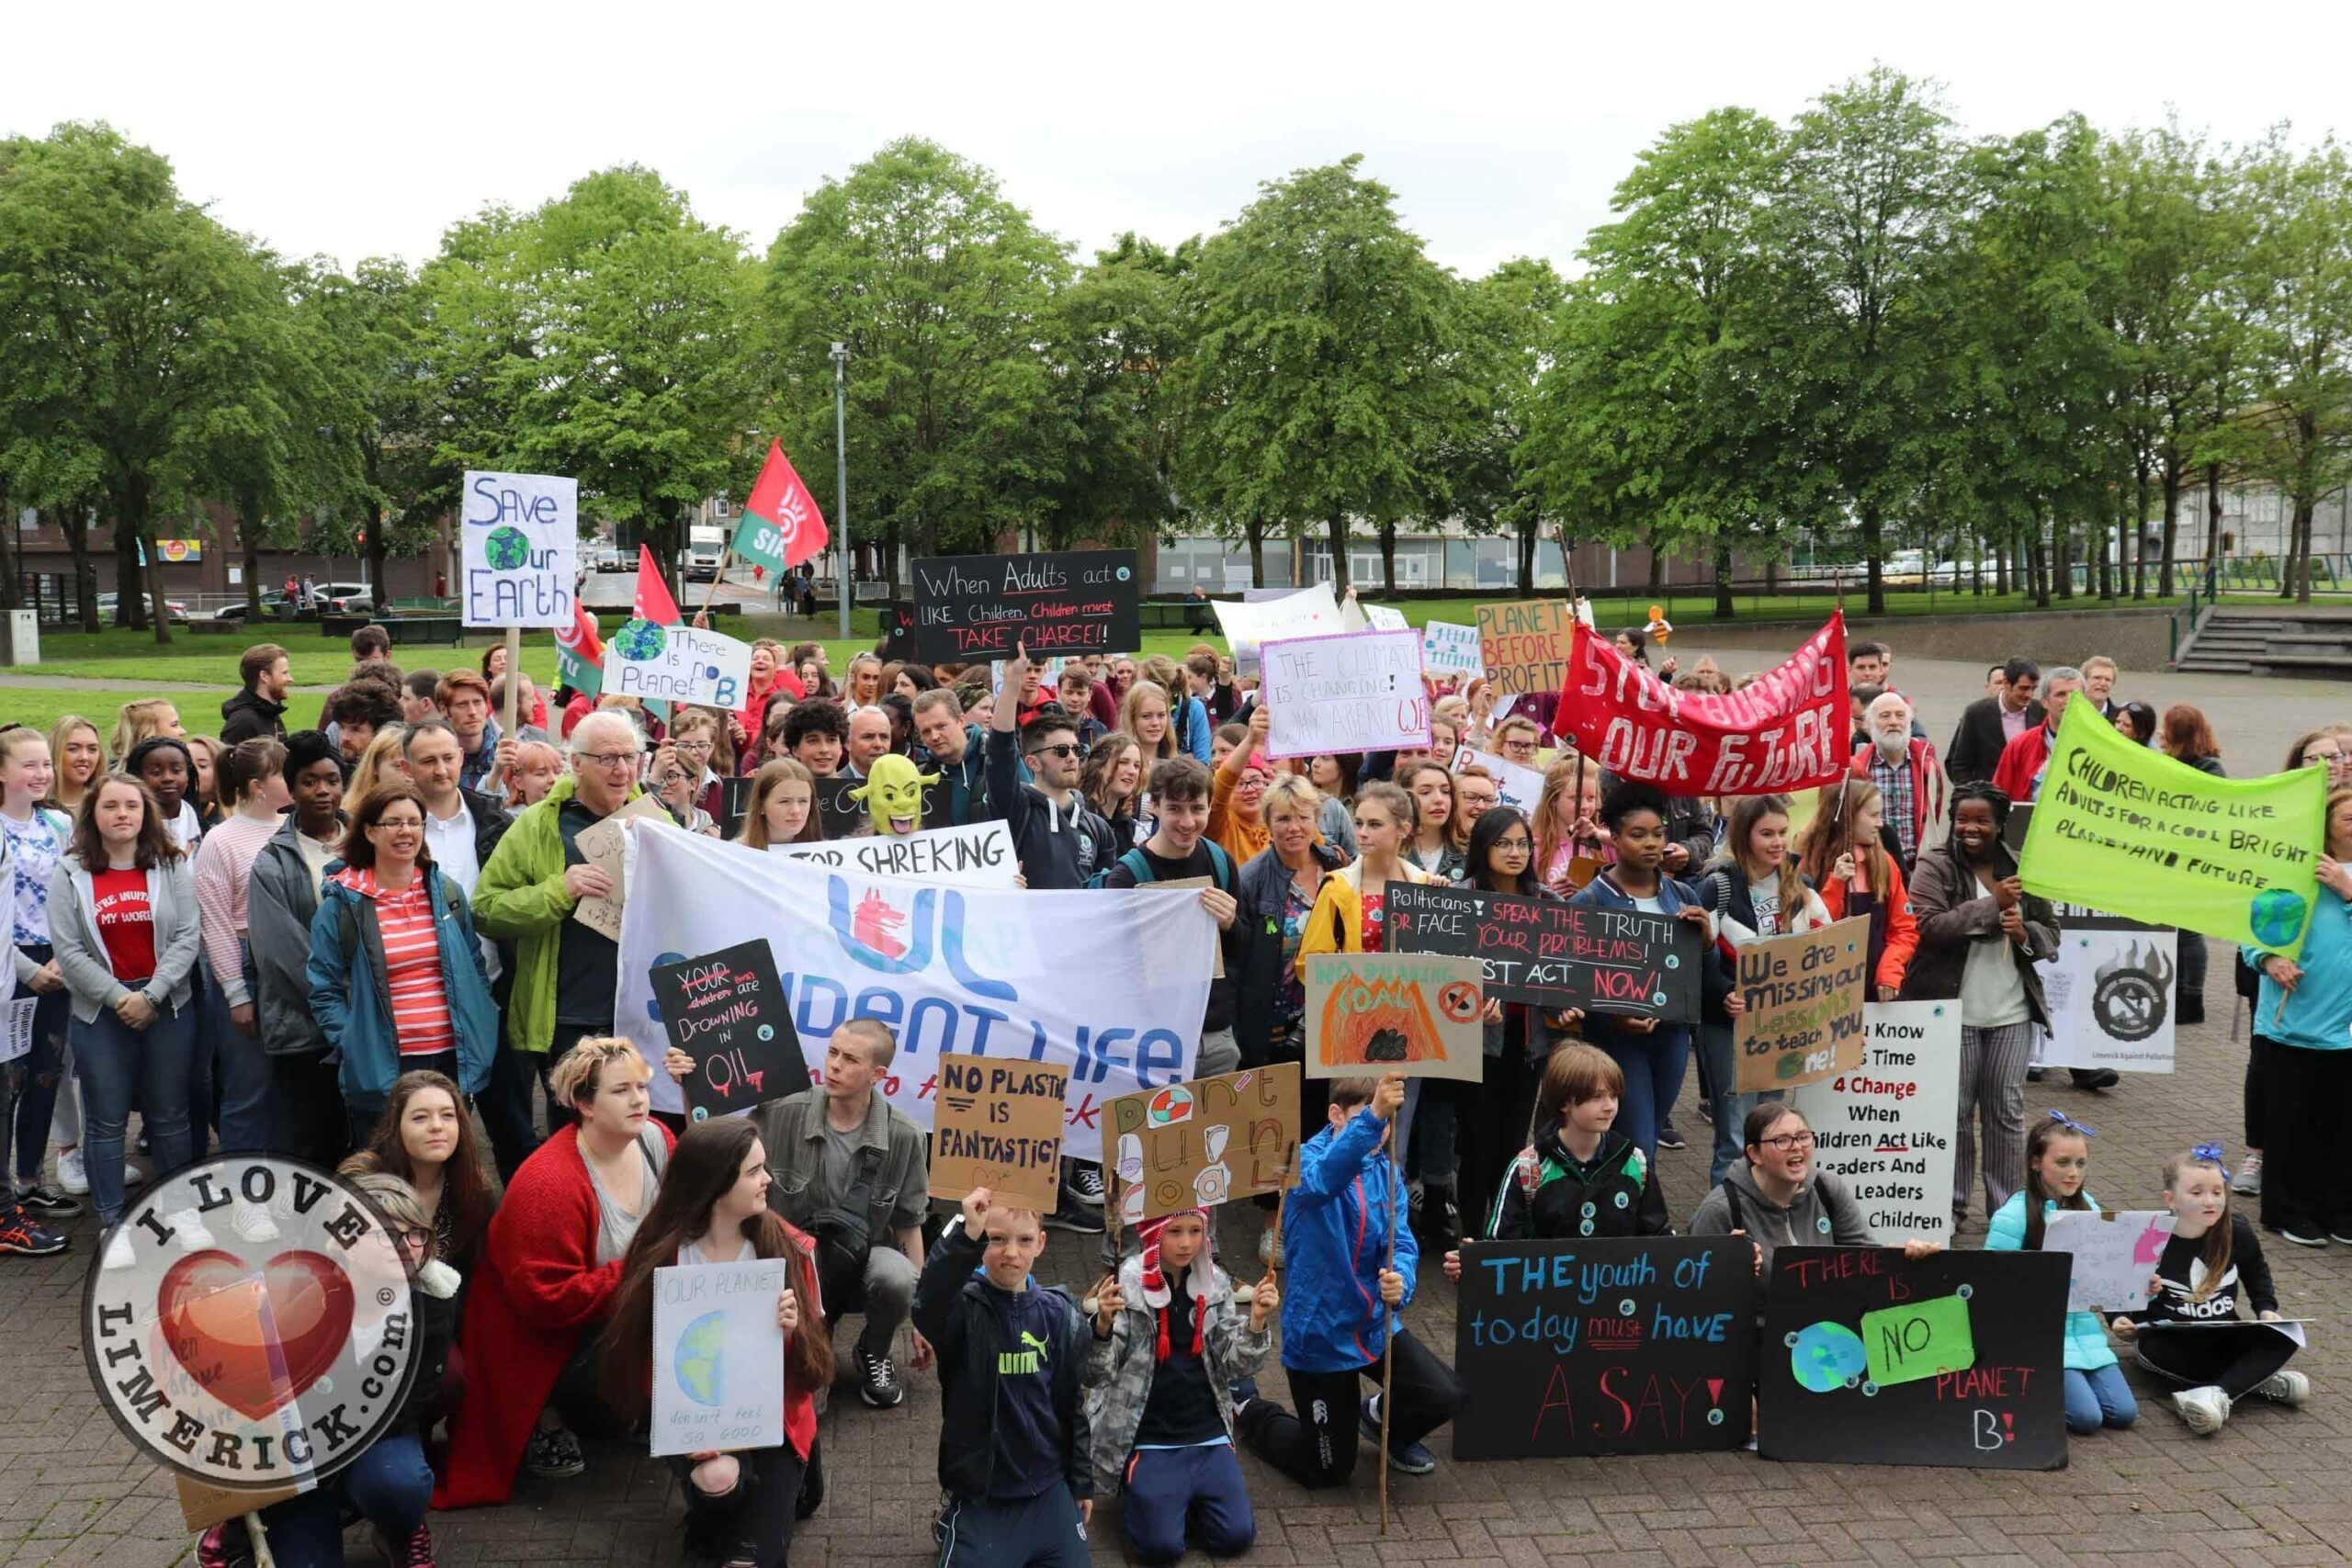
129,606
2304,552
2061,546
1254,526
1657,568
1531,534
2037,561
2213,526
73,521
375,553
2001,563
11,576
1336,526
2172,530
249,531
1724,609
1388,558
1976,564
1874,543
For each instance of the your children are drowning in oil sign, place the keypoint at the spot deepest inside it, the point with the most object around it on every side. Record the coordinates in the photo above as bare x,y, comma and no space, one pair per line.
521,549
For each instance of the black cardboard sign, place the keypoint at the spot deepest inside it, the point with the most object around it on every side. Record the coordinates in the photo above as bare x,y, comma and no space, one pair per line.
968,608
1604,1346
728,1012
839,816
1956,1360
1554,954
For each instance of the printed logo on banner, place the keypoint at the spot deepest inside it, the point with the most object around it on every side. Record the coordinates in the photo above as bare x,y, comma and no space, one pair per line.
2128,995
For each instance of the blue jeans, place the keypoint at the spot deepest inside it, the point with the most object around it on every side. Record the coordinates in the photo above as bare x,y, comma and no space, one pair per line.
1653,1066
390,1485
159,1063
28,1085
240,1069
1731,1106
2099,1399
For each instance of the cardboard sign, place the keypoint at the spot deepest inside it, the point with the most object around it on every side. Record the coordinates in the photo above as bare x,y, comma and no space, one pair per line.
2110,994
605,847
203,1507
17,1038
1516,785
1355,693
1803,995
968,608
1604,1346
1373,1014
1885,1129
1955,1360
519,549
1451,650
727,1010
839,816
1194,1145
979,855
2114,1255
676,664
1787,730
999,1125
734,800
1553,954
1525,645
1310,612
717,1356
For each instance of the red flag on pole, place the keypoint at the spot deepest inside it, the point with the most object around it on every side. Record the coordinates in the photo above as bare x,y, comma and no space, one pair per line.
781,502
652,602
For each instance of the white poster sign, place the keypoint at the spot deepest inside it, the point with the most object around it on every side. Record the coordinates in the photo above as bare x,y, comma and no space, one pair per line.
979,855
1356,692
1519,786
2110,996
1885,1129
983,971
1310,612
520,548
1385,618
1451,650
2115,1256
717,1356
677,664
18,1039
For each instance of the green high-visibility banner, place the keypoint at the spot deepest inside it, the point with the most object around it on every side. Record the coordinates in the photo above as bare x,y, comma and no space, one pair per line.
2122,827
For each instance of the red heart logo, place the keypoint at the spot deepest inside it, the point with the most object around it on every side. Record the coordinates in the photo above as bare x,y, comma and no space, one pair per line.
218,1316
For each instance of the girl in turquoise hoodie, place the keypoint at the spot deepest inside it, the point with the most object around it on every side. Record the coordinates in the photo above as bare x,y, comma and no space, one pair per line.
2057,1160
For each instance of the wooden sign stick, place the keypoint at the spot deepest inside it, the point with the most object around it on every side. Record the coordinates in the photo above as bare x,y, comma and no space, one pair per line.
513,682
1388,1339
725,555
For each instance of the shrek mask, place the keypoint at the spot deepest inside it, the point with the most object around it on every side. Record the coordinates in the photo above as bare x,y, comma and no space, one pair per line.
892,794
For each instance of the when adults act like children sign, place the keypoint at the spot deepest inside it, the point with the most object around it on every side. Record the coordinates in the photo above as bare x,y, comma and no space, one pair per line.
1359,692
1885,1129
968,608
519,549
2124,828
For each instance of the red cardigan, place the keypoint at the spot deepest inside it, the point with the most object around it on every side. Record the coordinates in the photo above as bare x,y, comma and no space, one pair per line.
538,1289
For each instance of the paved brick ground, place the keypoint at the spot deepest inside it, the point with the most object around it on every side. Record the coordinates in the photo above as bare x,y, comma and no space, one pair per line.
2276,1488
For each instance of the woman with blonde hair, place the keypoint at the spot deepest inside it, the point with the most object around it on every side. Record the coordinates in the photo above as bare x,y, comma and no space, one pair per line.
1144,718
385,760
1567,820
142,720
80,757
782,807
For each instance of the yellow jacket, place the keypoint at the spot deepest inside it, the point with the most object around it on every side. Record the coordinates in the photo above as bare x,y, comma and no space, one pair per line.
1335,924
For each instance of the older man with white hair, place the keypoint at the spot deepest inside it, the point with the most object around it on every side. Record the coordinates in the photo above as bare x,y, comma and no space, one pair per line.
2023,758
1916,809
564,971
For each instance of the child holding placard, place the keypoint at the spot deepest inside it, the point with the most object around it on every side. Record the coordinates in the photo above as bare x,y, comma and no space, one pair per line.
2189,1334
2057,1162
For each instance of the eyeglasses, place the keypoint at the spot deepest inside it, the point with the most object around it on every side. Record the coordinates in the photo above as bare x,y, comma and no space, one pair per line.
612,758
1786,1143
695,746
1062,748
416,1237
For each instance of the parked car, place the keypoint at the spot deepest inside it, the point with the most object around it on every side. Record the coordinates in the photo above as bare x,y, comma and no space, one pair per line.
607,556
107,603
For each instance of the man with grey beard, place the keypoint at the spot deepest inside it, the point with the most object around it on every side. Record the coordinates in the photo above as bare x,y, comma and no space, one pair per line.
1915,809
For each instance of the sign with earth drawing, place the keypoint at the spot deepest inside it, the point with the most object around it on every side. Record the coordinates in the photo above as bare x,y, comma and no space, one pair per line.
677,664
519,549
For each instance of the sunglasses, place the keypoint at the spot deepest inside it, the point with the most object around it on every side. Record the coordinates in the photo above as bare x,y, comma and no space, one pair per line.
1063,749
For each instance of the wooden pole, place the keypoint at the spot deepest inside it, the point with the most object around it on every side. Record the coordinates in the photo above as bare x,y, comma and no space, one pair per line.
513,682
726,554
1388,1339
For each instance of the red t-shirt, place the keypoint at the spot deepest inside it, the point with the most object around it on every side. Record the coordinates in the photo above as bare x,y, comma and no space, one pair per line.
125,922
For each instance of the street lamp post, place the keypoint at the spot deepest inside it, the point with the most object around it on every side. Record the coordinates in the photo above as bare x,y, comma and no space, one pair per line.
840,472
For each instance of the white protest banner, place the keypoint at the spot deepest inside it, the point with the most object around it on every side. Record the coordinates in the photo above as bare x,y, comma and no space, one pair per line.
677,664
2111,997
16,1039
1310,612
717,1356
1385,618
520,550
979,855
1451,650
979,970
1360,692
1885,1129
1518,786
2115,1256
1267,595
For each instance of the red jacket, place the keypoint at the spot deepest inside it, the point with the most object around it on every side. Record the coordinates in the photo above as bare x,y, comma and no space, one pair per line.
1902,931
755,710
2021,759
539,1288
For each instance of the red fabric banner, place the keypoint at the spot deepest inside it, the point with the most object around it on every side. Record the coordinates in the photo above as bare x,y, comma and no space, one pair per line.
652,602
1787,731
785,503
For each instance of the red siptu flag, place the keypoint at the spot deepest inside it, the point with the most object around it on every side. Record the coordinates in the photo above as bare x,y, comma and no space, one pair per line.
652,602
781,523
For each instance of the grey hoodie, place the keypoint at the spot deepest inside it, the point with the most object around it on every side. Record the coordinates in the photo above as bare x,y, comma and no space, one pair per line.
1822,1213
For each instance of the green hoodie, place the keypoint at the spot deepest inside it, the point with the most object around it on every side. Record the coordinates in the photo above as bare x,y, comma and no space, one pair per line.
520,897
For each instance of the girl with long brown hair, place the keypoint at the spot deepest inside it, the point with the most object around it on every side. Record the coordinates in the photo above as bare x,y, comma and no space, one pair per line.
425,1138
1840,852
2057,1164
782,807
713,1208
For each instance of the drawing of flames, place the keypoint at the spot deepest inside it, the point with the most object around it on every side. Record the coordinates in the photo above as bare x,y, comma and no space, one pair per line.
2133,1012
1371,1023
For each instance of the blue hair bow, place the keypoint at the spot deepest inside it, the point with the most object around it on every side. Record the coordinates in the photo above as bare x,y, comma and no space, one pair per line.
2211,1154
2071,1124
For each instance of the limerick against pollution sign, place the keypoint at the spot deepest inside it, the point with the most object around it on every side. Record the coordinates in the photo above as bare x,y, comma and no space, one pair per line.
520,550
2127,829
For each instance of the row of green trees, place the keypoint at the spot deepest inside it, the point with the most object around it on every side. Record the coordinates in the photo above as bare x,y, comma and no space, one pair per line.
1859,328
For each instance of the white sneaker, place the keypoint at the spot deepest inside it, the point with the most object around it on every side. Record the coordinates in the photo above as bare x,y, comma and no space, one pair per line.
119,1253
188,1228
2206,1410
72,1175
132,1175
252,1223
2290,1389
2249,1179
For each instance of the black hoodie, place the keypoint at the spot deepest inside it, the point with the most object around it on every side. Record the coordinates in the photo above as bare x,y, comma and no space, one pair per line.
249,717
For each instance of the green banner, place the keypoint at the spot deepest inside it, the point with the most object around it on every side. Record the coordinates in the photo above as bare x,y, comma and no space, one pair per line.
2122,827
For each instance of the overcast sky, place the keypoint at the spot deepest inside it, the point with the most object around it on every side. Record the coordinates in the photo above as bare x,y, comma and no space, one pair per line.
357,132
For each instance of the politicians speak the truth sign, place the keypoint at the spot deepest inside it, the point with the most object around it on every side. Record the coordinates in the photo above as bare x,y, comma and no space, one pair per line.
968,608
1554,955
677,664
518,549
982,971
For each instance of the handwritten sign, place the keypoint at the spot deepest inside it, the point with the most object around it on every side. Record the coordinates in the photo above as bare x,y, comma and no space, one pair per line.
605,847
16,1037
1359,692
999,1125
727,1010
1415,1013
676,664
1885,1128
717,1356
1604,1347
519,548
1194,1145
1516,785
839,816
1451,650
1525,645
1310,612
1957,1358
978,856
1803,995
2114,1255
1554,955
968,608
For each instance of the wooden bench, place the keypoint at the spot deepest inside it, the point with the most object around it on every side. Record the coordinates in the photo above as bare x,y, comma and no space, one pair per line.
1197,616
407,629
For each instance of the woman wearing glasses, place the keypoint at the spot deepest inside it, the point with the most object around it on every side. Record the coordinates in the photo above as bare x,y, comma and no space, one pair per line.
1777,1197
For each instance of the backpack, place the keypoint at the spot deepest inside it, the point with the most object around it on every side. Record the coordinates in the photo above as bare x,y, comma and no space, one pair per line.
1139,866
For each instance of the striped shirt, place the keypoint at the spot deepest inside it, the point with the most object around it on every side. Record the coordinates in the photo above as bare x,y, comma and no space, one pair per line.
421,1019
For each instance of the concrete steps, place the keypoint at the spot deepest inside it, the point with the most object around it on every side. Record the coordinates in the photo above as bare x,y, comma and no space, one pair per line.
2297,647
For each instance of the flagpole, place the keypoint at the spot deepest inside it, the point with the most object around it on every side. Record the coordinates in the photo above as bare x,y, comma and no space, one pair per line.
840,472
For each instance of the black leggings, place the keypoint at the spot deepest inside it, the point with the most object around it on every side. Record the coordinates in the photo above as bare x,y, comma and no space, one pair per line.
757,1516
1317,1447
2236,1358
1493,1129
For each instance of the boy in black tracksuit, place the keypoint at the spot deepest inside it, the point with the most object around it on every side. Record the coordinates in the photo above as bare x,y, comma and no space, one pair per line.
1014,1446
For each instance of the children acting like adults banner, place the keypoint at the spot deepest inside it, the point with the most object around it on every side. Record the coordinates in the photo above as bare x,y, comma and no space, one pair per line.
1788,730
2127,829
982,971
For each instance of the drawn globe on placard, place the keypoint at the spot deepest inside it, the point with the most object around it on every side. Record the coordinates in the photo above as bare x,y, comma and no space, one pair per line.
701,1367
506,549
640,640
1171,1105
2276,915
1826,1356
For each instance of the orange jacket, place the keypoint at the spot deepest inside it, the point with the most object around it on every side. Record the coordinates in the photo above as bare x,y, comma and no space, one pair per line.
1902,931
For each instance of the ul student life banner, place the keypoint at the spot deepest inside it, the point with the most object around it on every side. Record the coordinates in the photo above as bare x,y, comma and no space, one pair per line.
981,971
519,549
968,608
1787,731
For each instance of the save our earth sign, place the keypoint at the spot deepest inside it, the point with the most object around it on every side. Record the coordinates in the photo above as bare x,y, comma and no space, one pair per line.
519,546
